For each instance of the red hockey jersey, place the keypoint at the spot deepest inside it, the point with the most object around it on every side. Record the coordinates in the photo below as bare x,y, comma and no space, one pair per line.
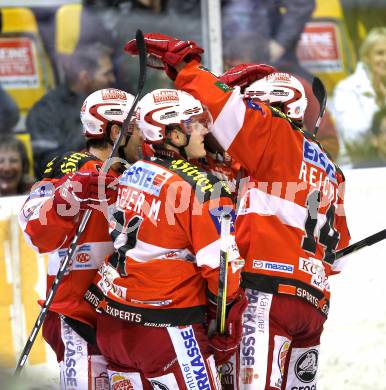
166,230
292,214
49,232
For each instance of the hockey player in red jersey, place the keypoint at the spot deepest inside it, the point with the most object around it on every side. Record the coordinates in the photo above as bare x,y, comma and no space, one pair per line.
291,217
153,293
72,183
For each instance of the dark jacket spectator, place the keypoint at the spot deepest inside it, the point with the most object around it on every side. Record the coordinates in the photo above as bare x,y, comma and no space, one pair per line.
9,112
275,24
54,122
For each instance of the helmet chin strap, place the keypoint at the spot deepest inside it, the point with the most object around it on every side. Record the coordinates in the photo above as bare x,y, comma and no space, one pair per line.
181,149
121,148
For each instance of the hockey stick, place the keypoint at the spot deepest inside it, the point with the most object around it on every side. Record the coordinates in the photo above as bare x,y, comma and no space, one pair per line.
82,225
320,93
370,240
222,281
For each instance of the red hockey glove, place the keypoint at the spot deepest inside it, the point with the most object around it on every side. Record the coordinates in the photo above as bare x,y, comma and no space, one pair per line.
170,51
225,345
245,74
83,190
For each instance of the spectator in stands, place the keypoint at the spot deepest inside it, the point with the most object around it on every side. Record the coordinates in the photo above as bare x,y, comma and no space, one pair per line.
173,17
369,150
378,129
357,98
54,122
261,34
14,166
9,112
276,26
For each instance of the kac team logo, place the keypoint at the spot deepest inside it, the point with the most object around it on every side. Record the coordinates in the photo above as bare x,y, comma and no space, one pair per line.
307,365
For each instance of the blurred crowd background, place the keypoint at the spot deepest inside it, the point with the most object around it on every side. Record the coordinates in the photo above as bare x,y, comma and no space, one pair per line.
54,53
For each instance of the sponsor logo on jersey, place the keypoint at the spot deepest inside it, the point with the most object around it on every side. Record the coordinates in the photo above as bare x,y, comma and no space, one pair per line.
75,356
158,385
119,382
197,177
113,94
224,87
113,111
102,381
247,375
283,352
279,76
217,213
226,371
252,318
169,115
281,359
106,283
280,351
32,208
254,104
68,163
322,305
315,268
145,177
306,366
315,156
279,92
71,163
83,257
312,387
165,96
194,371
273,266
62,253
44,190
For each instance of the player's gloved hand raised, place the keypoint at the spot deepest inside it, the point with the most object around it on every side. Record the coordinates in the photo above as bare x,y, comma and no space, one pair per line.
169,51
245,74
84,190
225,345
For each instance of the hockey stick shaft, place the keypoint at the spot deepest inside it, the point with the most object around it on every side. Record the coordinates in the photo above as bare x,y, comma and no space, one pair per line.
368,241
223,274
83,223
320,93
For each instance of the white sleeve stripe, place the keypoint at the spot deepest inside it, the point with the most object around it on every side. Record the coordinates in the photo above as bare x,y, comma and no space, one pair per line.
209,255
230,120
287,212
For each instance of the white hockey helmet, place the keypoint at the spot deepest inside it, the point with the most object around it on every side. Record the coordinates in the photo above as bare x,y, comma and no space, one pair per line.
102,107
282,88
163,107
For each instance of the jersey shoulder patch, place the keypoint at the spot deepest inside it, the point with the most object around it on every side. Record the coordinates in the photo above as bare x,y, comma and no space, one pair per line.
67,163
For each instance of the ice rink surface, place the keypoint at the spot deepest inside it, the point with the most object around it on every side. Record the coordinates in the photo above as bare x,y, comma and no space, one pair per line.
353,347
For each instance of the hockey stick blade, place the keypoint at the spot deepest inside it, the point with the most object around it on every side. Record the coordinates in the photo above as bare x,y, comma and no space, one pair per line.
370,240
83,223
319,91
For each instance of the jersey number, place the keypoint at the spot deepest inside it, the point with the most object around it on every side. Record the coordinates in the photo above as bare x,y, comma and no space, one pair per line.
328,236
129,240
